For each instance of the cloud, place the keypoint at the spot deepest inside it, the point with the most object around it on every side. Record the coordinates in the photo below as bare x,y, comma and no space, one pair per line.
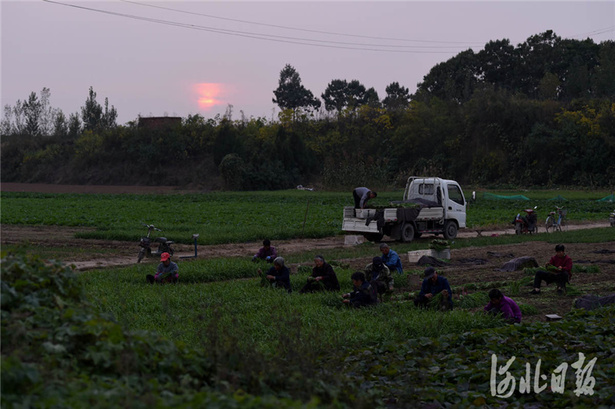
210,94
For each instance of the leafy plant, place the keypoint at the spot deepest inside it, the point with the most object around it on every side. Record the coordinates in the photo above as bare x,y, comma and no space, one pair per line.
439,244
527,309
473,300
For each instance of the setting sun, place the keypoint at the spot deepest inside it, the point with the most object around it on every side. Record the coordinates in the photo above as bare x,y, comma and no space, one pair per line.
209,94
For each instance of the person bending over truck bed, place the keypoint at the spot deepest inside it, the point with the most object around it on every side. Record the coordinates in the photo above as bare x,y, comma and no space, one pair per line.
361,196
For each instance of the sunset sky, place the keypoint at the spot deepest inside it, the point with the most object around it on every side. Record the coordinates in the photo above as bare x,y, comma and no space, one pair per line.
184,57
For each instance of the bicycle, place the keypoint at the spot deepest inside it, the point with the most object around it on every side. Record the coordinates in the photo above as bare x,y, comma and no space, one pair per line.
556,220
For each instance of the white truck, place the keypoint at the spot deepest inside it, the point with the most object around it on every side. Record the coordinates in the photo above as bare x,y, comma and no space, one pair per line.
430,205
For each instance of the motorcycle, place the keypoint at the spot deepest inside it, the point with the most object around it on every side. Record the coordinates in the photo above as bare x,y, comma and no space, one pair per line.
556,220
164,245
527,223
612,219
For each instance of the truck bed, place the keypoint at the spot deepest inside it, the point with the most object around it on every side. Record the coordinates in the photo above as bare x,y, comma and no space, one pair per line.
354,224
356,219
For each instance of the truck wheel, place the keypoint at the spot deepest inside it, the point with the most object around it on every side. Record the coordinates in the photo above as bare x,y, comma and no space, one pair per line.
407,232
450,230
373,236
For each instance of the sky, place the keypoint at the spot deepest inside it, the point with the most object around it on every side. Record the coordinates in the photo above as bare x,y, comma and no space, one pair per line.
180,58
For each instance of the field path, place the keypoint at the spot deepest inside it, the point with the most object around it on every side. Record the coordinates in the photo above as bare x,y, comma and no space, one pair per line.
92,254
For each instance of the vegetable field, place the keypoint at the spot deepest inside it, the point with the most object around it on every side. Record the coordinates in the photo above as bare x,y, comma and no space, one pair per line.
228,217
105,339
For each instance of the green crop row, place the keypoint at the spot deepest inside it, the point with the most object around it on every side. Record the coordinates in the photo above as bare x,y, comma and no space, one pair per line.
225,217
180,310
216,217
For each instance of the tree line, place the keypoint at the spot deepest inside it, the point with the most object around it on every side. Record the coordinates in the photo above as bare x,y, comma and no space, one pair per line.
541,113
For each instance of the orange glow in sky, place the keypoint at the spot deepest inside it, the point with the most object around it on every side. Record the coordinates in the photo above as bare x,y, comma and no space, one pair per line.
209,94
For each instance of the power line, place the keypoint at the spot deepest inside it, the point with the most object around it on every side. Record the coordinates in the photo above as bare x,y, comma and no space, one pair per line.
267,37
300,29
596,32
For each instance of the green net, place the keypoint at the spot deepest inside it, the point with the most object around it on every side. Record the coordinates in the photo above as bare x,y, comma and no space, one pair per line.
559,198
491,196
609,198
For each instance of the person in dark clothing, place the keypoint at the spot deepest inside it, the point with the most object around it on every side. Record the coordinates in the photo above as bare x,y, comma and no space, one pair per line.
278,275
362,293
361,195
433,284
379,276
323,277
558,270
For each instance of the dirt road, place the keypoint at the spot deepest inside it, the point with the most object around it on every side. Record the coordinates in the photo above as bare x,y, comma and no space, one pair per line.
105,253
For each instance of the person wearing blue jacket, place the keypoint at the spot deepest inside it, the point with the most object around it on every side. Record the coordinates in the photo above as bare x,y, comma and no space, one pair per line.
391,259
434,284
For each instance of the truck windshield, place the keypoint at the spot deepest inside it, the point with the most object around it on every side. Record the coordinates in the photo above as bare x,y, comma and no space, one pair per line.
454,193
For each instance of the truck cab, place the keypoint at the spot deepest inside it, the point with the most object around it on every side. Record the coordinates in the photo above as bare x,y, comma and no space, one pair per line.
444,192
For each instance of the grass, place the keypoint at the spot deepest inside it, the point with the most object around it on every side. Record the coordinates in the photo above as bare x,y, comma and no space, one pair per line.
231,286
261,338
228,217
179,311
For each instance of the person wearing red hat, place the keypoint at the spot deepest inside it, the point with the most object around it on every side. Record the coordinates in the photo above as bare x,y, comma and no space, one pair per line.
167,271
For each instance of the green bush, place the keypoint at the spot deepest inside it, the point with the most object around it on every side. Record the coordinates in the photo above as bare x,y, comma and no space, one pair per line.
52,340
